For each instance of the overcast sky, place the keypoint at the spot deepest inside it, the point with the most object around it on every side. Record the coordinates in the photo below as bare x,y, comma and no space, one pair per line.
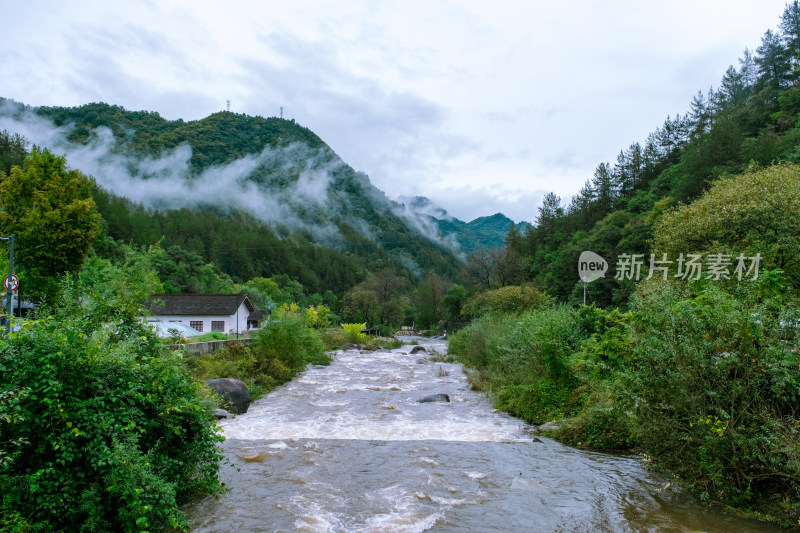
481,106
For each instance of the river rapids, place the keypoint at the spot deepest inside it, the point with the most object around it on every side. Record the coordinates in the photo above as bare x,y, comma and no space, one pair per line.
349,448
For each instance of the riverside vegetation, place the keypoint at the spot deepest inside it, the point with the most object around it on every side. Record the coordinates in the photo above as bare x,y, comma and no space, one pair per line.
101,426
103,429
701,375
702,379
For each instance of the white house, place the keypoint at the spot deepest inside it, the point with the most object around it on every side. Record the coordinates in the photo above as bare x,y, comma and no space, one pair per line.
228,313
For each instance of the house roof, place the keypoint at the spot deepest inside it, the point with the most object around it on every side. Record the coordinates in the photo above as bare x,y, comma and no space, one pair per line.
197,304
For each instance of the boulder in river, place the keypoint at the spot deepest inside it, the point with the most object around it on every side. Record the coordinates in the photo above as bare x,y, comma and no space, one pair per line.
235,394
359,347
441,397
417,349
549,426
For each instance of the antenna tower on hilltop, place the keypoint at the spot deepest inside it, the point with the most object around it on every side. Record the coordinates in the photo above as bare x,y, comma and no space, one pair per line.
229,105
281,111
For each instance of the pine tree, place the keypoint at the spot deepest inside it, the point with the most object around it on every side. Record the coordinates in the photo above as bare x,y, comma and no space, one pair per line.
749,71
790,30
699,115
732,88
603,185
773,63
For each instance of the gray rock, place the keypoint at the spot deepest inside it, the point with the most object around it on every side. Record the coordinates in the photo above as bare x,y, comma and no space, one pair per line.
219,414
235,395
421,361
417,349
441,397
549,426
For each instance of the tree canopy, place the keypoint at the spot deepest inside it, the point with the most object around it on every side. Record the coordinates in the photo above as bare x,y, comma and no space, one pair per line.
49,209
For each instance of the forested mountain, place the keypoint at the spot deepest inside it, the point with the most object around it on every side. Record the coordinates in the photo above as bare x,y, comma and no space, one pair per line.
254,196
483,232
751,119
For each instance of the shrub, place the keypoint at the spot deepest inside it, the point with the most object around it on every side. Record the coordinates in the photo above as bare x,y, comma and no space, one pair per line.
511,299
523,361
102,429
717,395
211,336
291,341
353,332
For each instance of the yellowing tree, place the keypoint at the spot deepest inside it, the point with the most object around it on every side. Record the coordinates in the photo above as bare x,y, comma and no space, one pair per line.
50,210
757,212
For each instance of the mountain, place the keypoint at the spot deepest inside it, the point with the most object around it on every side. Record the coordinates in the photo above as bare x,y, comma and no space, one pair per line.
257,196
483,232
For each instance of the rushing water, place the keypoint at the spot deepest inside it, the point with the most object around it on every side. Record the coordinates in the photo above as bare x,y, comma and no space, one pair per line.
348,447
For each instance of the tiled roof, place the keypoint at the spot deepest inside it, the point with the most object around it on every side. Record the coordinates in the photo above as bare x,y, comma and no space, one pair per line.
197,304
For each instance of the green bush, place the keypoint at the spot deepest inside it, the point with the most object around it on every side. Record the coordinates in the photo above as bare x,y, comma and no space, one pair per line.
716,394
291,341
510,299
469,344
101,429
522,361
211,336
279,350
353,332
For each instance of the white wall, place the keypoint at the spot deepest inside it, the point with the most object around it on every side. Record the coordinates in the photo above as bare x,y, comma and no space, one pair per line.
231,324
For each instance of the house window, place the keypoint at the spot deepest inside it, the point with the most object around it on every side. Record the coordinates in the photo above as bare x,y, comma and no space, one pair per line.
196,324
217,325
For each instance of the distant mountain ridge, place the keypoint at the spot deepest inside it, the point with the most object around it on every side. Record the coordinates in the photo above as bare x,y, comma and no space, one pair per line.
483,232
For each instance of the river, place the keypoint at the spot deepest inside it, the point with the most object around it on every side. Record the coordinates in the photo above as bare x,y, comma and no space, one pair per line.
349,448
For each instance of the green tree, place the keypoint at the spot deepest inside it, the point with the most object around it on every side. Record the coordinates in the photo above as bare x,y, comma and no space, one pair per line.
13,149
773,62
50,210
113,291
757,212
429,299
454,301
360,305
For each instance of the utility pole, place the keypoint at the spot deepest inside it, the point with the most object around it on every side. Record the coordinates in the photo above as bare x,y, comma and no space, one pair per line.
10,288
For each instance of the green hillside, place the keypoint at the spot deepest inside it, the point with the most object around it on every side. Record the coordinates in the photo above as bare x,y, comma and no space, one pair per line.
266,221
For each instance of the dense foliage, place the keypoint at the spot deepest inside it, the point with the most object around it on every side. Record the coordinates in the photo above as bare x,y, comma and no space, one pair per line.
101,428
521,359
703,380
50,211
699,371
508,299
756,213
715,387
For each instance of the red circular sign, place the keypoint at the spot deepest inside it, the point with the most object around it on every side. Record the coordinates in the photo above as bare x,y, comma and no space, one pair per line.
11,282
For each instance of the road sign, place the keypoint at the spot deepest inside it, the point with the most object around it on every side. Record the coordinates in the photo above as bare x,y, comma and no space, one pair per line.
11,282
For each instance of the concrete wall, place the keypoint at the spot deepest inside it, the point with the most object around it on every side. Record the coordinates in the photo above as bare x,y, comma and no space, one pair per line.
200,348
